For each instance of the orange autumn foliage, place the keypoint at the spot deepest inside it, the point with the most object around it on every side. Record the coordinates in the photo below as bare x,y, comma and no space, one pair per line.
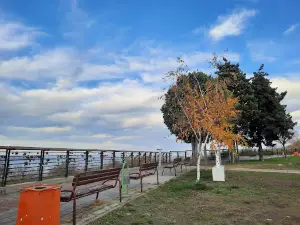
207,111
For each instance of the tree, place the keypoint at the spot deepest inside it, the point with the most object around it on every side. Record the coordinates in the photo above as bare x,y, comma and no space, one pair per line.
267,118
286,130
172,113
241,88
207,111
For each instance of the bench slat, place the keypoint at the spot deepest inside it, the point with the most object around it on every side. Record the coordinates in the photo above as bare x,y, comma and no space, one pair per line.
148,166
82,177
94,180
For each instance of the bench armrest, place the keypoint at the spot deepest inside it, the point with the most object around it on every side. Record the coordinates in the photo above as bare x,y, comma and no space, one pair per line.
114,179
134,173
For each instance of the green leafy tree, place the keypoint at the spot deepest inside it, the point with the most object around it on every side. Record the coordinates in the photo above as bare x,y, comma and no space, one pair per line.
268,117
240,87
286,130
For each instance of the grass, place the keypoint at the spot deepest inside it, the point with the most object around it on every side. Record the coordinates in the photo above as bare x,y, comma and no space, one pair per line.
291,162
245,198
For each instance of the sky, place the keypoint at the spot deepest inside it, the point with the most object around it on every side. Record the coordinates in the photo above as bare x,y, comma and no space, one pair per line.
88,73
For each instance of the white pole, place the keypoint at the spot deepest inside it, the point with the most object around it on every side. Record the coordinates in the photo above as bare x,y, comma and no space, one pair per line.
159,158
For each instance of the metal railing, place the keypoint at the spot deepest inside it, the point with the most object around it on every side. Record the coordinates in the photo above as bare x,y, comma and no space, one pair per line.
20,164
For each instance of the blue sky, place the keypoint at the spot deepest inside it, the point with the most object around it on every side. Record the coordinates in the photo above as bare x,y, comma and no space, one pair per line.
87,73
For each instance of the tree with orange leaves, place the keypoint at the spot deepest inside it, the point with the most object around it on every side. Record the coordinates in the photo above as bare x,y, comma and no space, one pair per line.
207,110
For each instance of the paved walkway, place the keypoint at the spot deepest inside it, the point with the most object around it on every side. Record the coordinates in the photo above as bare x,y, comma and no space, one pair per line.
87,208
229,168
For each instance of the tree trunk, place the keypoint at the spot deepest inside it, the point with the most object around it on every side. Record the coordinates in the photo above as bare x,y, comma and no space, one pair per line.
260,152
237,151
199,145
284,150
232,156
205,155
194,151
218,158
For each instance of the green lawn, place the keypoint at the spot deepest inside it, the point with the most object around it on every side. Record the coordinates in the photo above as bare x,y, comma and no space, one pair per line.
245,198
291,162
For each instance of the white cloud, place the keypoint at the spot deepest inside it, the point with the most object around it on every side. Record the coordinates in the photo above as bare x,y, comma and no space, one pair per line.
121,138
232,24
292,100
67,117
291,29
290,85
41,129
16,35
102,136
263,50
71,144
52,63
149,121
296,116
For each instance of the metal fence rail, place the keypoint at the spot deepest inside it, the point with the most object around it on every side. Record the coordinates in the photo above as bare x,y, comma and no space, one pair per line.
20,164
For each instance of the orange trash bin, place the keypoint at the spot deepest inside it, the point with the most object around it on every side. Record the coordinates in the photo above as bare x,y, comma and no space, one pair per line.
39,205
296,154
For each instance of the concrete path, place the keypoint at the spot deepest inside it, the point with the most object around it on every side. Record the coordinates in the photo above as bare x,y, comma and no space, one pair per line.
229,168
263,170
87,208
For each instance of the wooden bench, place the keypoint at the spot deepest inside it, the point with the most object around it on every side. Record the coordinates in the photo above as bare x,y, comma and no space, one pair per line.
145,170
186,162
89,183
172,166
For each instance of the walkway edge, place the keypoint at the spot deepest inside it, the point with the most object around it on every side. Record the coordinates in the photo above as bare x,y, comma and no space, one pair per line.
114,206
241,169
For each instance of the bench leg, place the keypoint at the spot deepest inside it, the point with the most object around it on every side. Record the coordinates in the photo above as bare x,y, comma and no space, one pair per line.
74,210
181,167
162,173
157,177
120,191
97,195
175,171
141,184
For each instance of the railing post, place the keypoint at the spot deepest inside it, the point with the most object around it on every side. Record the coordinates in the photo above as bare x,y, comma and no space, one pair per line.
155,154
166,157
41,169
67,163
101,160
139,158
177,155
150,156
170,157
86,161
123,157
113,158
185,155
131,159
6,168
145,157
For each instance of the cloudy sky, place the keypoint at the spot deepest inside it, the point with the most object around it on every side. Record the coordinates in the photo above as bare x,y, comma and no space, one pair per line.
87,73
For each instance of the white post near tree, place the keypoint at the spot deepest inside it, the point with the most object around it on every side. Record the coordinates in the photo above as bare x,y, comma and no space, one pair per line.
218,171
